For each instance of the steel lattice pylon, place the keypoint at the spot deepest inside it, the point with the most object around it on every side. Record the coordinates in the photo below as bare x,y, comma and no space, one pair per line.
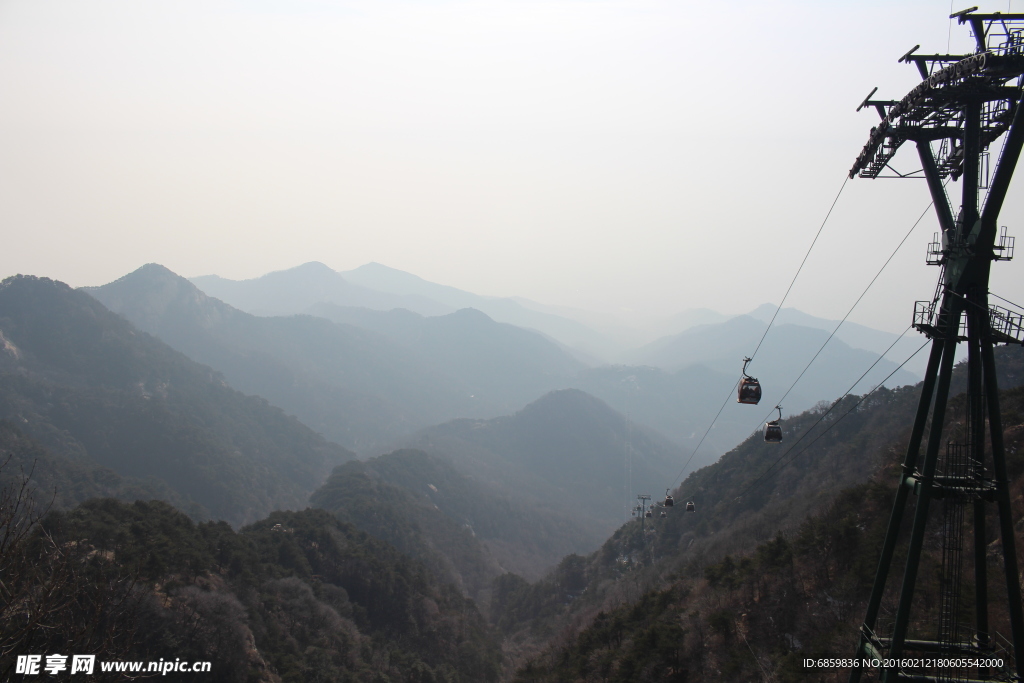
964,105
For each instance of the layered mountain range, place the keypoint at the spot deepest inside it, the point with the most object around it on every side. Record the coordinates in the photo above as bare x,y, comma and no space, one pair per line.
377,375
92,406
360,386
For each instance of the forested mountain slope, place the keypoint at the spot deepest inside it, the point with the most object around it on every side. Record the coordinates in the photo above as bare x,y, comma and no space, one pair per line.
465,530
408,519
69,479
87,386
759,611
298,596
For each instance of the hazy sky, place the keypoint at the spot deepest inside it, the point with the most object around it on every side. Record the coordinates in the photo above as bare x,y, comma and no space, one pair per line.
633,155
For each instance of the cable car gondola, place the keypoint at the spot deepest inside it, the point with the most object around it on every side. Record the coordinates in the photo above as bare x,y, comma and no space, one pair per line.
689,506
668,499
648,514
749,389
772,429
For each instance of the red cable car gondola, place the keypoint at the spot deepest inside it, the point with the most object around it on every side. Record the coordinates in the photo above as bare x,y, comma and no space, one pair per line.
749,389
772,429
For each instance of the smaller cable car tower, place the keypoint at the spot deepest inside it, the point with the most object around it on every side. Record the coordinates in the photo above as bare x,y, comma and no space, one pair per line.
964,106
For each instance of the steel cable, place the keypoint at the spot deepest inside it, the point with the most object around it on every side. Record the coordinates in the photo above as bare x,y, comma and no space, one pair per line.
855,304
772,321
793,282
1018,306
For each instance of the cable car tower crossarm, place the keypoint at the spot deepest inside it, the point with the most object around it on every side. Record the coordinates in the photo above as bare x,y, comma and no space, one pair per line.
964,104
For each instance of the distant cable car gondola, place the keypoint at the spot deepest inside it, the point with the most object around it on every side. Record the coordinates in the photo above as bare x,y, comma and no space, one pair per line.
649,514
663,514
689,506
668,499
772,429
750,389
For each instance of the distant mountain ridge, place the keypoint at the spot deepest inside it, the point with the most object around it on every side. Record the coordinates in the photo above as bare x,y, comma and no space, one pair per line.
378,287
595,337
856,335
853,334
351,385
86,385
782,356
471,347
291,291
358,386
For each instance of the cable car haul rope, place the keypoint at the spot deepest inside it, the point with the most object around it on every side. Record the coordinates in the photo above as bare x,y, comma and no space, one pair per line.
748,389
